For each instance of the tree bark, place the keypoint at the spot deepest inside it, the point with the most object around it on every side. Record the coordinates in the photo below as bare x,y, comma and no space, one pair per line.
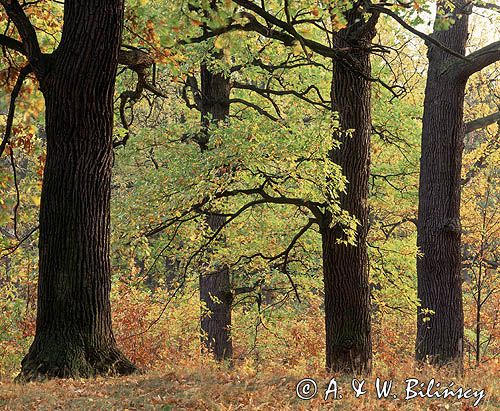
347,292
440,331
215,286
74,336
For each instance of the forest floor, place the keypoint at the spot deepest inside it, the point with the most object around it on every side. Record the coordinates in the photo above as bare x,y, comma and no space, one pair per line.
209,387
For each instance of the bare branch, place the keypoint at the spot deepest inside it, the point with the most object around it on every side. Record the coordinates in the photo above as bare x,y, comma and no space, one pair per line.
428,39
481,162
481,122
141,63
18,196
12,250
254,107
487,6
12,107
13,44
479,59
289,34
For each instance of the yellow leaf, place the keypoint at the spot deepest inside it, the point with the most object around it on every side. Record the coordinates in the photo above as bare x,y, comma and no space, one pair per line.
219,42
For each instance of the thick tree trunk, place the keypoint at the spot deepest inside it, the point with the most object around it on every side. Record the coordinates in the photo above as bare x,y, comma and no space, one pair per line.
215,286
440,331
74,337
347,292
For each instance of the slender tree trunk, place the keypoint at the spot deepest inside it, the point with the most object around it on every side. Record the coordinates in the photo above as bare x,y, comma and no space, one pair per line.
215,286
347,292
74,337
440,319
478,311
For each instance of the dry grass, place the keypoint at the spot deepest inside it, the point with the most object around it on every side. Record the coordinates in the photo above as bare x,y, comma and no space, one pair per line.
205,386
264,375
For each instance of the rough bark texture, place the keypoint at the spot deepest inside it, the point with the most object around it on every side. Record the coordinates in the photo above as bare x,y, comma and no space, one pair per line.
347,293
440,334
74,337
215,286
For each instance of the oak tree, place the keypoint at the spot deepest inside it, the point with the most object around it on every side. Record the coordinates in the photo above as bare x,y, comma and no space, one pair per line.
74,337
440,324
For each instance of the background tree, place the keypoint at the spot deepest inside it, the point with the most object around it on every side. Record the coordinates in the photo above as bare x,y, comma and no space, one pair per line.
480,219
215,286
346,284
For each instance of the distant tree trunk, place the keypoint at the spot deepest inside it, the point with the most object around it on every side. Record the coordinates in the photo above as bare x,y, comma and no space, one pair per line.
440,332
479,303
74,337
215,286
347,291
215,293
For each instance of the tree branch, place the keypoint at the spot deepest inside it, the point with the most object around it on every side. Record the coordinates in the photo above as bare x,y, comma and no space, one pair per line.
27,32
479,59
481,122
302,95
255,107
12,107
487,6
289,35
428,39
18,196
265,198
13,44
141,63
12,249
481,162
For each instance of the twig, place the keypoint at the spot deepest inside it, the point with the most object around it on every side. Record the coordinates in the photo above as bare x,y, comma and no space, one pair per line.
12,107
